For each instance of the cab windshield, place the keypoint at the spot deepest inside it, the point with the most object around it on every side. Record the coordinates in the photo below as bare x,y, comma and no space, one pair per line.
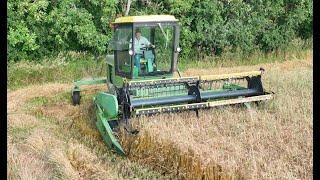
143,49
153,49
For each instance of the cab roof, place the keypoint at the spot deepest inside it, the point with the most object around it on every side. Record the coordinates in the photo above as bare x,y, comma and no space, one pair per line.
146,18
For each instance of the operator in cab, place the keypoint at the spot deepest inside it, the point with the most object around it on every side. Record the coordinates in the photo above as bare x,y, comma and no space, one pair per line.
139,42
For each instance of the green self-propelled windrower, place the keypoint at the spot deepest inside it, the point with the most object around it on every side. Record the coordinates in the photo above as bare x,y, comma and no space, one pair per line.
149,87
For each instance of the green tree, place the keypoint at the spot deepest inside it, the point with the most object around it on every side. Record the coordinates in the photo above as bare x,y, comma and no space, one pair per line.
208,27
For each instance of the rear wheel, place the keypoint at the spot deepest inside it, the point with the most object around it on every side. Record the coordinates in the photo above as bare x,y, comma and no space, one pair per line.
76,98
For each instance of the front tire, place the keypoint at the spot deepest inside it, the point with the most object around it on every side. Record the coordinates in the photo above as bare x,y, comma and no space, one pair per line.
76,98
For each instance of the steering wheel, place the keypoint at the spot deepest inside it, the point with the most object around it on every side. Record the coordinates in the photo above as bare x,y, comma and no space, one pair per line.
147,48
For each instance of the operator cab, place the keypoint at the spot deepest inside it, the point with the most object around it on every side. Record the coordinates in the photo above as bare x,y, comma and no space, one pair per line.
155,55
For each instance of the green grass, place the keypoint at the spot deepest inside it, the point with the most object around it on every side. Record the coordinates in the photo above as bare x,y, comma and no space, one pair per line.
41,101
19,133
26,73
38,101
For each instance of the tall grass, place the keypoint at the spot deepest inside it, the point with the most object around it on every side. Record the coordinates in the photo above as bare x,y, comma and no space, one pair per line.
272,141
71,66
48,137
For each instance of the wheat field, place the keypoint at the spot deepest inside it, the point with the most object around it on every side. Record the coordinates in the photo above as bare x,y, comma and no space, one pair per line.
271,141
50,138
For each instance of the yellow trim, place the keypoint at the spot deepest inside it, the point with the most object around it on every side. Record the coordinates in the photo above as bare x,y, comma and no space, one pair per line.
210,103
147,18
207,77
154,80
182,106
233,75
240,100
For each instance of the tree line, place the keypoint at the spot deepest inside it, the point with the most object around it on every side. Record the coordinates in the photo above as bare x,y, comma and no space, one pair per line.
39,28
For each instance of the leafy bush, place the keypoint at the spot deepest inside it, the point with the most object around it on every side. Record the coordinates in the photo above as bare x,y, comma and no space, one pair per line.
40,28
208,27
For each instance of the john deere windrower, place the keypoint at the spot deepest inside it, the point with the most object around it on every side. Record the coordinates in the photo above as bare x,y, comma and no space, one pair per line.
151,88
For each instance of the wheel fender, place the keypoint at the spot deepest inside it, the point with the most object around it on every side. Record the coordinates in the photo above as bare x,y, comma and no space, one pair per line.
108,104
